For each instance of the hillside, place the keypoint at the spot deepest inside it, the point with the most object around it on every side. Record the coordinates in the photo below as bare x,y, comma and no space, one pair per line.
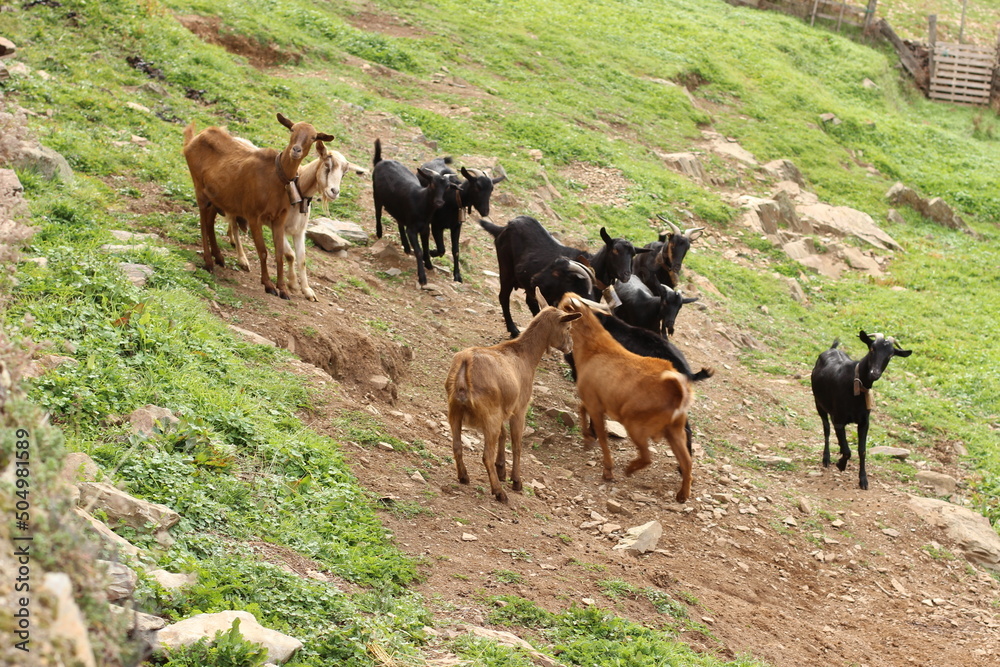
315,480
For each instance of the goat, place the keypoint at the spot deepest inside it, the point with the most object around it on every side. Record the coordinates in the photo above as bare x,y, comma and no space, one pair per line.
524,248
641,307
231,178
663,263
400,192
487,386
473,193
321,177
562,275
648,396
841,388
645,343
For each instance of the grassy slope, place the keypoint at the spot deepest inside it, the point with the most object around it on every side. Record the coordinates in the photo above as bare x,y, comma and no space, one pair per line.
574,79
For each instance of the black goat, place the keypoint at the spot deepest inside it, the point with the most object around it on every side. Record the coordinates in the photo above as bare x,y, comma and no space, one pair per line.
561,276
641,307
399,191
473,193
646,344
841,388
524,248
663,263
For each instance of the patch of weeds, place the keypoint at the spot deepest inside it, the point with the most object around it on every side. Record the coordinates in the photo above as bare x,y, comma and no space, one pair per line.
937,552
508,576
365,429
409,509
590,567
310,331
519,555
566,539
460,576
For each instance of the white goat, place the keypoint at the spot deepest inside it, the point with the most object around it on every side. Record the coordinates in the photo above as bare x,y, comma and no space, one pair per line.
322,178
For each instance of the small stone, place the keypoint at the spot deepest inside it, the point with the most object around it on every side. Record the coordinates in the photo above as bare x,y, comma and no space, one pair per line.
616,430
891,532
708,619
615,507
417,477
469,537
804,505
386,447
893,452
789,521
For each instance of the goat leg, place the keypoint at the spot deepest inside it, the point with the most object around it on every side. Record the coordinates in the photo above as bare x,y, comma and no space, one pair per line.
415,241
643,459
597,420
862,438
456,269
425,241
258,241
491,434
455,422
278,236
675,437
586,428
826,439
300,266
505,290
234,238
845,450
501,460
209,246
516,432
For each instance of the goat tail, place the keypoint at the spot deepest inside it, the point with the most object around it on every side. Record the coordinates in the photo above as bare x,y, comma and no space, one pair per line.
836,342
189,133
493,229
378,152
703,374
461,391
681,382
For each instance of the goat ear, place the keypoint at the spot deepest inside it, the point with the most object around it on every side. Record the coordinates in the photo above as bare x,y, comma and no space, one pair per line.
424,179
501,175
899,352
569,317
323,136
356,169
865,338
690,299
320,148
287,123
639,251
538,296
604,236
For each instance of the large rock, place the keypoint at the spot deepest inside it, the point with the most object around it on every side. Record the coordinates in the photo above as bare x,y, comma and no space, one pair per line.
280,647
641,539
785,170
935,209
723,146
685,163
940,484
45,161
121,580
78,467
326,237
121,508
348,230
146,418
972,532
10,185
137,274
67,632
112,540
172,581
845,221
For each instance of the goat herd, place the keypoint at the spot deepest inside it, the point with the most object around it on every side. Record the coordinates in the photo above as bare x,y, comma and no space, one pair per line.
624,365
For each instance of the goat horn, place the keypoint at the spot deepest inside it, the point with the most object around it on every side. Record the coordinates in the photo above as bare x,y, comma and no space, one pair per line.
589,270
579,270
673,227
689,232
475,172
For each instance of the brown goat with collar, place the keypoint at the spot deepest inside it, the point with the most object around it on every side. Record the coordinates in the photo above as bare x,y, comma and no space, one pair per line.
231,178
488,386
647,395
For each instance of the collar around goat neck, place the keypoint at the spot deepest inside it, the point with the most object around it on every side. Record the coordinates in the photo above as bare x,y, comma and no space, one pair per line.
859,387
281,171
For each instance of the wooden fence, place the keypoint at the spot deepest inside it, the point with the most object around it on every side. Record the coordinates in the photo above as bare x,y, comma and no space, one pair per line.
962,73
837,12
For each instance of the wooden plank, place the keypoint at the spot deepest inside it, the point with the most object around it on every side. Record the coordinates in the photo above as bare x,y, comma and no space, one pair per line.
834,18
959,85
918,73
965,78
964,48
963,73
963,68
951,92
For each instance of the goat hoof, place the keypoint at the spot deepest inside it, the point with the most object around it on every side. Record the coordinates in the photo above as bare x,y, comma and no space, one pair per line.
516,485
501,496
284,295
842,465
271,291
863,485
609,476
681,497
463,480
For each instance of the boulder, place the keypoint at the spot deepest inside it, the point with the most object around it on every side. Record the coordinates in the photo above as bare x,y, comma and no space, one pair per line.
794,192
893,452
115,542
172,581
121,508
42,365
845,221
325,237
280,647
347,230
146,418
78,467
935,209
939,483
141,627
685,163
784,170
641,539
67,632
722,146
45,161
972,532
121,580
895,217
137,274
10,185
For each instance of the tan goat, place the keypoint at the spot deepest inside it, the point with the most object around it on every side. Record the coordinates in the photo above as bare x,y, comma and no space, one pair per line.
647,395
231,178
488,386
320,178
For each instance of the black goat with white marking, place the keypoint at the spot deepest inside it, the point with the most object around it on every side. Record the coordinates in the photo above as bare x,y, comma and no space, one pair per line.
663,263
473,193
641,307
412,204
560,277
524,248
842,386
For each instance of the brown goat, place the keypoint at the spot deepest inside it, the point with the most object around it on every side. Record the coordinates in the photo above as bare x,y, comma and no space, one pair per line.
488,386
232,178
647,395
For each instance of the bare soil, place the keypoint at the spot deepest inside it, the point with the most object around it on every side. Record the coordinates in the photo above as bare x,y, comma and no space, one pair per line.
787,561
